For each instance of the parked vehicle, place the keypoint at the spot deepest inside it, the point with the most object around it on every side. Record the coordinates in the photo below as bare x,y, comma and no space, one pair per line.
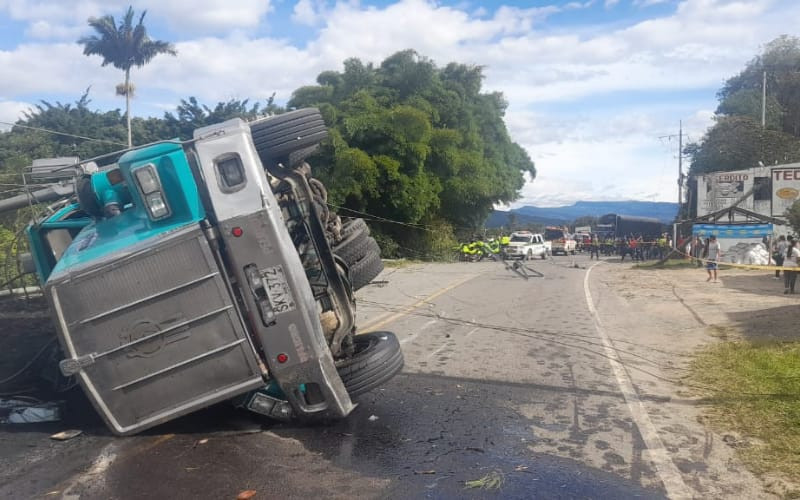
624,226
526,245
190,273
582,240
560,240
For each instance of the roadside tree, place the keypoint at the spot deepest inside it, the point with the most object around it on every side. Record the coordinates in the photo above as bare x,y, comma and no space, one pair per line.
124,46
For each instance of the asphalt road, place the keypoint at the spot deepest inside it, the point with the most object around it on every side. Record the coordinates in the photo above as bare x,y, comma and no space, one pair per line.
511,385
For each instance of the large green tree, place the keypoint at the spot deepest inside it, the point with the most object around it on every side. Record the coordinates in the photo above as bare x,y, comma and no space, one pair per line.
737,139
124,46
415,143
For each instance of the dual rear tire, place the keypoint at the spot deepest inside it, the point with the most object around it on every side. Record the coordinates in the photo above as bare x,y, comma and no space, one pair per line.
289,139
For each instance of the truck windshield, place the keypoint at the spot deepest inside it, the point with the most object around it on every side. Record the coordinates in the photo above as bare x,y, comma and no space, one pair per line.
520,239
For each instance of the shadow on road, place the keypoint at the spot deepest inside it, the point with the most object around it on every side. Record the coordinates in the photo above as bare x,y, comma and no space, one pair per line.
773,324
757,283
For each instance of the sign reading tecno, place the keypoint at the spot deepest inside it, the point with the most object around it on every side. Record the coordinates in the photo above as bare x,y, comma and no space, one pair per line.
785,189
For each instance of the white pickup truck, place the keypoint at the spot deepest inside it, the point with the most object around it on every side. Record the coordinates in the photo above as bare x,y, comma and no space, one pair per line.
526,245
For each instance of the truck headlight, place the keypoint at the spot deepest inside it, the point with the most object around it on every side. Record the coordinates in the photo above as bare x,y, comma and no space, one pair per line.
150,186
156,205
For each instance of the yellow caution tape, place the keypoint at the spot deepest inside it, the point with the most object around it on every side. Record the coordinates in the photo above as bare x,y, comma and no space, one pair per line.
742,266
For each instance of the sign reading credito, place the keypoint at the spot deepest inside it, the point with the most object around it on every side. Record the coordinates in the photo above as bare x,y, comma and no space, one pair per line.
785,189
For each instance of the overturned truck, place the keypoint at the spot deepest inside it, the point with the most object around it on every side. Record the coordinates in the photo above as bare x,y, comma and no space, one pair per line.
190,273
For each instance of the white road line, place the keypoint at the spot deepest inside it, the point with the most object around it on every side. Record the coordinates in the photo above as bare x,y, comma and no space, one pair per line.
665,468
439,349
422,329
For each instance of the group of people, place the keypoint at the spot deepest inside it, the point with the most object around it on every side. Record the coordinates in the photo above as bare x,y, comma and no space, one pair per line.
786,254
644,248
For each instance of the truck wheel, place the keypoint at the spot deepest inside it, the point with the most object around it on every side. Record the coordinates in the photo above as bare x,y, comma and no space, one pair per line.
365,270
277,137
356,247
376,359
351,226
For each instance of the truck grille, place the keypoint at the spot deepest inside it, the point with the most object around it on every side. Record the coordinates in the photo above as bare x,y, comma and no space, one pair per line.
154,333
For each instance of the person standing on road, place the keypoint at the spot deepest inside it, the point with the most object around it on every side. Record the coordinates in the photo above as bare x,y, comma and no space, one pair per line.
779,252
790,277
697,250
594,247
714,252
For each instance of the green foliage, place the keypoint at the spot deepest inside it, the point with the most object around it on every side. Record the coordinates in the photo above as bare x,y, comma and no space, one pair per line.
409,141
125,45
415,143
190,115
737,140
793,216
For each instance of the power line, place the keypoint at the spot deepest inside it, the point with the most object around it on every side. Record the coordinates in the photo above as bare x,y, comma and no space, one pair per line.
40,129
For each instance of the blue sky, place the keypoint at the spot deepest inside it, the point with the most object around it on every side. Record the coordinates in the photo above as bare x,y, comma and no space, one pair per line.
592,85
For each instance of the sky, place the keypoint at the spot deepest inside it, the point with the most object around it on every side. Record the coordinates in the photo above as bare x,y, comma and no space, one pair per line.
595,87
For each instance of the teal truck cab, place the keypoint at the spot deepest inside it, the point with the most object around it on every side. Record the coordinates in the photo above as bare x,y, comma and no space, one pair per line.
190,273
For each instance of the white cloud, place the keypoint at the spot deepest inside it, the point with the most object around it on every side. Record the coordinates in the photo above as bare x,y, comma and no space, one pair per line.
62,20
10,112
308,12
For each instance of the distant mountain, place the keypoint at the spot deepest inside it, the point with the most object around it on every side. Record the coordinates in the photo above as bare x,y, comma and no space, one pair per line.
663,211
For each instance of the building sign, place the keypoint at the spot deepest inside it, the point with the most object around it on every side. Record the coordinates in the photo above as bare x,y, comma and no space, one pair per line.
721,190
785,189
739,231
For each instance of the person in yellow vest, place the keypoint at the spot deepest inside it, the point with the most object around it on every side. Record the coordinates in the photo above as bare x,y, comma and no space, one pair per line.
504,242
663,246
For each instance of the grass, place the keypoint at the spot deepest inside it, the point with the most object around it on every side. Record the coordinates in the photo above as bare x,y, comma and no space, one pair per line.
754,389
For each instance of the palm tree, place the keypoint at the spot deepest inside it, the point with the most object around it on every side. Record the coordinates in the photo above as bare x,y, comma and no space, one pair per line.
124,46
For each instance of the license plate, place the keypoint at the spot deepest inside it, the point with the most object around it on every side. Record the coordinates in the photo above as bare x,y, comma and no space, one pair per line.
280,295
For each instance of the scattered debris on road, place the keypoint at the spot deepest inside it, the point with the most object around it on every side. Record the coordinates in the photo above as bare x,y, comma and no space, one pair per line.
66,435
18,411
491,481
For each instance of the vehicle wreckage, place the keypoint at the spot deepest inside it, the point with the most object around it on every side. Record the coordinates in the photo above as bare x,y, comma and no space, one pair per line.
188,273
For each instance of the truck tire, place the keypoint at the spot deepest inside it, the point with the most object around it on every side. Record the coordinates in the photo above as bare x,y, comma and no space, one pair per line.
277,137
353,225
365,270
353,248
377,358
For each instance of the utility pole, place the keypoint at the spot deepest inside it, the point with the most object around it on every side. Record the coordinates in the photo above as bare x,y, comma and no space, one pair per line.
680,158
680,164
680,177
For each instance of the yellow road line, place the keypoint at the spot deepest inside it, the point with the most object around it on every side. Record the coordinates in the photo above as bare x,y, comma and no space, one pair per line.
382,321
